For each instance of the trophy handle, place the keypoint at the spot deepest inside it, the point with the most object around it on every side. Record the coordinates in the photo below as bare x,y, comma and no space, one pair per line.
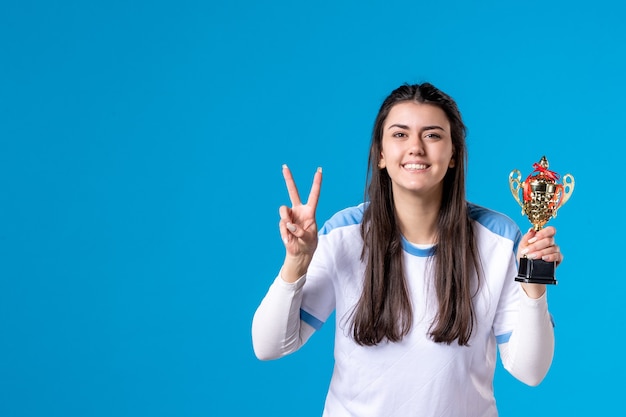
516,185
568,188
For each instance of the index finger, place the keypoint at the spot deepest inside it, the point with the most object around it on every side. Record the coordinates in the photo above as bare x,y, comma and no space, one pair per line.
549,230
546,233
291,186
314,194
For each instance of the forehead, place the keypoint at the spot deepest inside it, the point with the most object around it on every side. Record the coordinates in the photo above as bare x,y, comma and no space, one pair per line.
411,113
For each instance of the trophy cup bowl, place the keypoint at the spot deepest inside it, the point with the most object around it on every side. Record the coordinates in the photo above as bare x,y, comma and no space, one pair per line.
542,194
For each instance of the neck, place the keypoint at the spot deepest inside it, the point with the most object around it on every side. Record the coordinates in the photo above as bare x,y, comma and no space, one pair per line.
417,218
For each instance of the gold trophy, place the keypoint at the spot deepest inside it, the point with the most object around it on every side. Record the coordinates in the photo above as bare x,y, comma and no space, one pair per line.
542,195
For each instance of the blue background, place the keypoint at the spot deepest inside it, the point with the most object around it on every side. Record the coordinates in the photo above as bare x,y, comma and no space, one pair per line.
141,145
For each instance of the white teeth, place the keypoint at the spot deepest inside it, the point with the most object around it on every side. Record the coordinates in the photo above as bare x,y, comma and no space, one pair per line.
415,166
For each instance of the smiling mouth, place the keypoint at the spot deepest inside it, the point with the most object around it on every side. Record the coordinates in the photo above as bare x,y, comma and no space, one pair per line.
415,166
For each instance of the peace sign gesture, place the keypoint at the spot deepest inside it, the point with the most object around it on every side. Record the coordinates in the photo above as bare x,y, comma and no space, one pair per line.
298,227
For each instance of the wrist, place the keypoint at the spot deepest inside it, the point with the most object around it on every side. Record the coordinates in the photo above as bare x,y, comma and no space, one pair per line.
294,267
534,290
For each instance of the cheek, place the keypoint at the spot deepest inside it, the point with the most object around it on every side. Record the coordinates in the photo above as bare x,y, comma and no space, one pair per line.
388,150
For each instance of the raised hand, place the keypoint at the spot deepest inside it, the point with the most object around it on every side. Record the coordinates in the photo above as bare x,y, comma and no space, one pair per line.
298,227
539,245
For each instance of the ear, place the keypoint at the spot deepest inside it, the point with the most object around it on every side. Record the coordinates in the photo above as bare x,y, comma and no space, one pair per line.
381,162
452,162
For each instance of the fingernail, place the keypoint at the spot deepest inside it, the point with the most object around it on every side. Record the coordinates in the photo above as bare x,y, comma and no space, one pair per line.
291,227
319,169
524,251
531,256
532,240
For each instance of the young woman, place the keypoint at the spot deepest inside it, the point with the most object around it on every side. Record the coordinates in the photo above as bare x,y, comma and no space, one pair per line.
422,281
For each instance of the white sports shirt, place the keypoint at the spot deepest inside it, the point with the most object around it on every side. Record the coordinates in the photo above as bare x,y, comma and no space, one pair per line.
414,377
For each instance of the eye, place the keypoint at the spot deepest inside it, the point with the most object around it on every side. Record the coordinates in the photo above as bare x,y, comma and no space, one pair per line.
433,135
399,135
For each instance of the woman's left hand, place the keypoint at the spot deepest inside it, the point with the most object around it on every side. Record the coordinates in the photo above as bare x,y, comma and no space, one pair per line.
539,245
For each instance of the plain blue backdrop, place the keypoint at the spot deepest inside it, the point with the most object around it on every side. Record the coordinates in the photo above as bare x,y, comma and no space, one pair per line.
141,145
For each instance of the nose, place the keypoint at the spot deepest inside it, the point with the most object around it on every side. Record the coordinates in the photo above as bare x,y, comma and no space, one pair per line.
417,146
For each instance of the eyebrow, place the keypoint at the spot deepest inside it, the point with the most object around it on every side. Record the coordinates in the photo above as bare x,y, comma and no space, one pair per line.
433,127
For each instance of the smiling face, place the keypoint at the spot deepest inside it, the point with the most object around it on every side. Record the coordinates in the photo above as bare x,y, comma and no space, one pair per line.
417,148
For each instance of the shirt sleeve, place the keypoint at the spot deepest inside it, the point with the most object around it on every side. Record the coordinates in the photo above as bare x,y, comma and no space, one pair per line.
276,326
529,351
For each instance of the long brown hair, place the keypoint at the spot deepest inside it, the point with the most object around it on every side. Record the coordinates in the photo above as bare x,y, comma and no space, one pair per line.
384,310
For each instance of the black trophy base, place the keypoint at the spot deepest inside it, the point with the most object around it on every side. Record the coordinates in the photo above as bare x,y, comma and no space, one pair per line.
536,271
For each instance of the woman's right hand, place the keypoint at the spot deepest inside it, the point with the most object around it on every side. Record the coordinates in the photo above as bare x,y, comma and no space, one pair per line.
298,227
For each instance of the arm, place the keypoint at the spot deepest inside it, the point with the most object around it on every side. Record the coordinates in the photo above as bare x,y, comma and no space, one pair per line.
528,353
276,327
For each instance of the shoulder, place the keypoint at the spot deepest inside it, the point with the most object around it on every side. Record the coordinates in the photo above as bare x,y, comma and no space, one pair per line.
350,216
494,221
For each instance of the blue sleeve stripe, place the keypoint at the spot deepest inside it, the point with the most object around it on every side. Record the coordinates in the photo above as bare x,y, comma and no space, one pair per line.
498,223
346,217
310,320
503,338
